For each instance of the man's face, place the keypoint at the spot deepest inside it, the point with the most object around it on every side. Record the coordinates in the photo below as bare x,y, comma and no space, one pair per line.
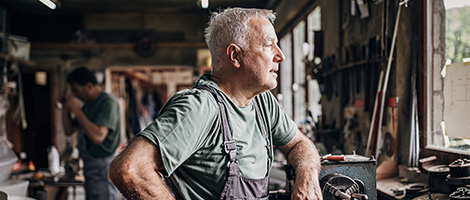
79,91
263,56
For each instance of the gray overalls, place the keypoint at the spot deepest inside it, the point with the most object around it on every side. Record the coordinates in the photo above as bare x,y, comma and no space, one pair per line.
237,187
95,170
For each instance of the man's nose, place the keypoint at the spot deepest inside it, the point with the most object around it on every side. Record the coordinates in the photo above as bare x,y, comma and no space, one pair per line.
279,56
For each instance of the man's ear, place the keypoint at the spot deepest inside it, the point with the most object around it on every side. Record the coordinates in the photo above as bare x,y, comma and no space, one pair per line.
234,54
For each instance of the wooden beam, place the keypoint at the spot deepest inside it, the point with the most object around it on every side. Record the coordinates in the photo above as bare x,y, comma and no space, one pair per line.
148,69
138,75
68,46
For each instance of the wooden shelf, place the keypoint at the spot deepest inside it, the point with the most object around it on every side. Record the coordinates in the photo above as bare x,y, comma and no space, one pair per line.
70,46
21,61
351,65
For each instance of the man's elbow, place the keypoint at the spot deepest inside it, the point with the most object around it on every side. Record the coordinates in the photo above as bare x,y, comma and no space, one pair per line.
98,136
134,181
98,141
122,172
117,172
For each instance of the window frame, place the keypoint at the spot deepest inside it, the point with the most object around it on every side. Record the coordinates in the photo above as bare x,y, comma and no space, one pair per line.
425,87
302,17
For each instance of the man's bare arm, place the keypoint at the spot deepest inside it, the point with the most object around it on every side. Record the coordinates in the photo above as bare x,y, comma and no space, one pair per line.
135,171
94,132
97,134
302,154
69,129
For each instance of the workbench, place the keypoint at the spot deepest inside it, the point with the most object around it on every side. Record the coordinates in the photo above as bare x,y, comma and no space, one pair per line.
55,190
62,185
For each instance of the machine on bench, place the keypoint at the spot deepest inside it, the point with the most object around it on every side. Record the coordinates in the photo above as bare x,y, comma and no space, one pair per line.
342,177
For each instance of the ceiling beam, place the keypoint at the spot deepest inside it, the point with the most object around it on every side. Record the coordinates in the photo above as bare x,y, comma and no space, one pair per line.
69,46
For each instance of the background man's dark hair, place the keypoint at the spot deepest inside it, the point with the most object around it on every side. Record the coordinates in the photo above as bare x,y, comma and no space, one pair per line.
81,76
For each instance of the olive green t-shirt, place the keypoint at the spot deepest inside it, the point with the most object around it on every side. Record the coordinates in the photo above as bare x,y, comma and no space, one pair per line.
104,111
188,135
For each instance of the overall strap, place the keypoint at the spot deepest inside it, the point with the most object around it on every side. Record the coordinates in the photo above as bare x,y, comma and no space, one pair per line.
230,147
266,136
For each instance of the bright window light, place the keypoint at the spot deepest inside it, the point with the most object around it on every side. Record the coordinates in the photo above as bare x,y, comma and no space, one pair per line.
205,3
49,4
449,4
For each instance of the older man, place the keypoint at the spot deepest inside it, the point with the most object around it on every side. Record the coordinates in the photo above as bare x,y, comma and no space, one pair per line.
215,141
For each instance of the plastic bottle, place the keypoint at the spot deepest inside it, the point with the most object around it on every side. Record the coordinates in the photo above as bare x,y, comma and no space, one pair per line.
54,160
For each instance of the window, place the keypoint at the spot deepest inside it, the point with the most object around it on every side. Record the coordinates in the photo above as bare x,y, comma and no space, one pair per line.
286,75
313,88
299,73
299,92
314,24
447,19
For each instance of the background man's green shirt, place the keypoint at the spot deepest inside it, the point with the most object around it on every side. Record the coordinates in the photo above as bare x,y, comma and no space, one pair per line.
104,111
188,135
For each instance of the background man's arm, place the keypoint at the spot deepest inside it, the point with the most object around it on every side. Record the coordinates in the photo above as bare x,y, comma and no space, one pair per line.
69,129
302,154
94,132
135,171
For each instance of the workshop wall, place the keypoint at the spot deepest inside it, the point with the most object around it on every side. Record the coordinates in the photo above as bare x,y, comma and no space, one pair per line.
353,57
126,39
357,45
330,23
288,11
182,23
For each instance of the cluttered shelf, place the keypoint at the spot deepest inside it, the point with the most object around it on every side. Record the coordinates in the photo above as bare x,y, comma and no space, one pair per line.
396,188
431,180
42,184
351,65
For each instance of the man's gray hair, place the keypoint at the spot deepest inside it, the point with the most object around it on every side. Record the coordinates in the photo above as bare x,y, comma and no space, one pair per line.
231,26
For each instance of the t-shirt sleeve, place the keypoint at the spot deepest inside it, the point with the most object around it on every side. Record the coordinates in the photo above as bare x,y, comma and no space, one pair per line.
182,127
282,127
108,115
